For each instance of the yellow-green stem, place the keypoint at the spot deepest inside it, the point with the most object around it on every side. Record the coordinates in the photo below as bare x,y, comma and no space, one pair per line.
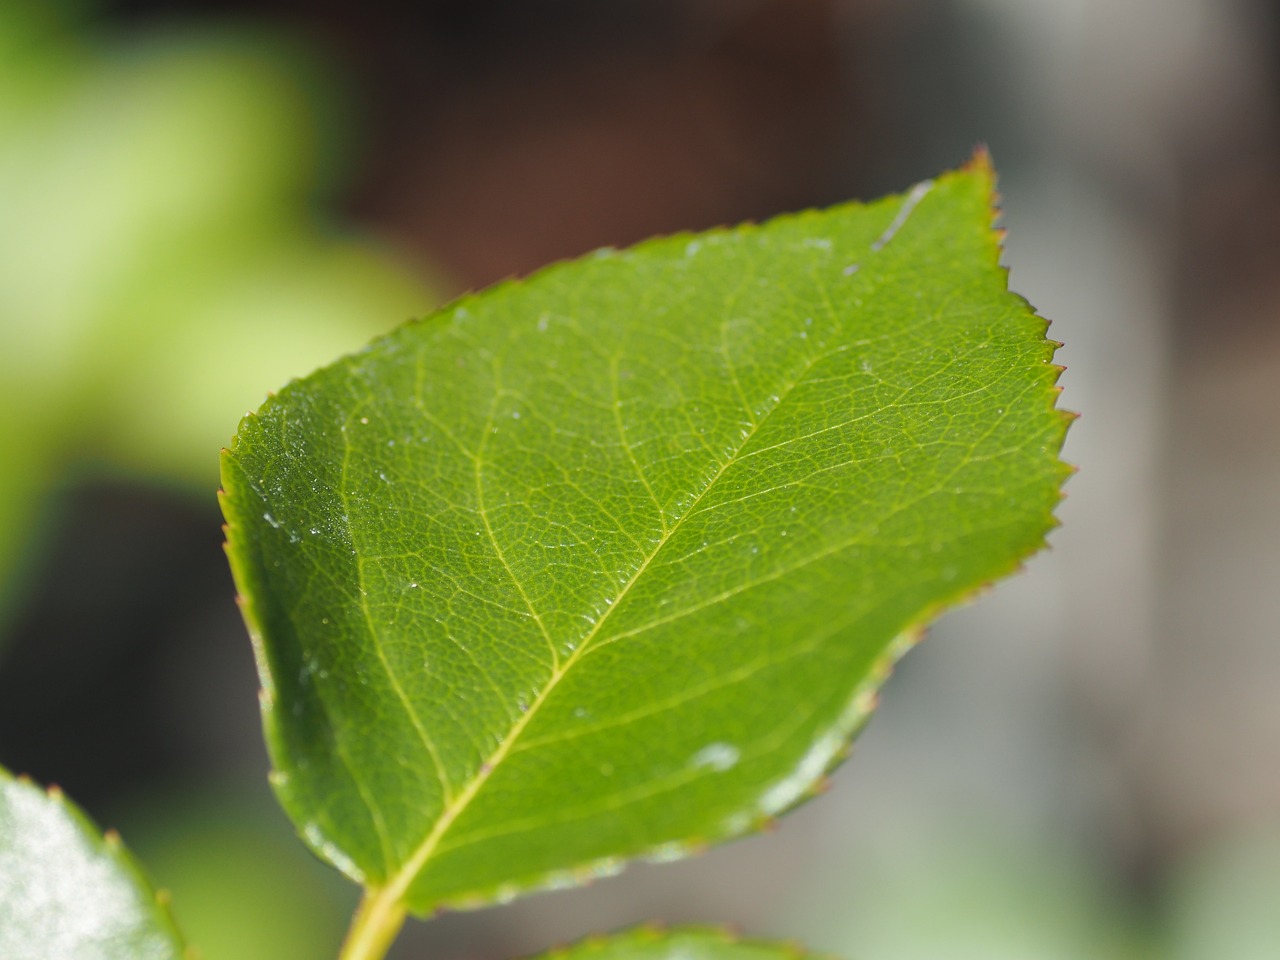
374,927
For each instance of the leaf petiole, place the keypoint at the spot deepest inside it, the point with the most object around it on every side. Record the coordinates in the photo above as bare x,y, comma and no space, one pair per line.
374,927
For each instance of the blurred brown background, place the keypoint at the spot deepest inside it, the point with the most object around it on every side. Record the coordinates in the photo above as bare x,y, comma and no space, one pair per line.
203,199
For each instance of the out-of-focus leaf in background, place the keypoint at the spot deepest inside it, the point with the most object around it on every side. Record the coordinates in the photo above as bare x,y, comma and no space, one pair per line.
1222,898
165,260
684,943
967,887
156,196
243,886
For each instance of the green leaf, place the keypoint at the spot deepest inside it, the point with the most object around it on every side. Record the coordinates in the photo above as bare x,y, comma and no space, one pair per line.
67,890
681,943
609,562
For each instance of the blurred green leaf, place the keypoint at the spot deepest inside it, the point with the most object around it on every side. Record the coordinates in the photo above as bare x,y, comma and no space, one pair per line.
247,888
300,301
611,561
681,943
1224,897
67,891
156,191
960,884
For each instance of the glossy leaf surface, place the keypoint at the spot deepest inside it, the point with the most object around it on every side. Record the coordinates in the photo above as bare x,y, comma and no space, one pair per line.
68,891
609,562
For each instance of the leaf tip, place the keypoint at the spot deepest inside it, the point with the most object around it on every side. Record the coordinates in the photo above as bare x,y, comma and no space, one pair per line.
980,161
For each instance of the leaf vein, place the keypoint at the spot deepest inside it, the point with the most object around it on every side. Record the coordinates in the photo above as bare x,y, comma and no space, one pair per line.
374,635
413,866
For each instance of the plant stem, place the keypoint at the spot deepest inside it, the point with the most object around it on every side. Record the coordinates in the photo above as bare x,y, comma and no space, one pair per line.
374,927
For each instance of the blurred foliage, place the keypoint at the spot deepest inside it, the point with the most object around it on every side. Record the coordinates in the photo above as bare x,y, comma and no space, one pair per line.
1223,898
242,885
162,262
968,887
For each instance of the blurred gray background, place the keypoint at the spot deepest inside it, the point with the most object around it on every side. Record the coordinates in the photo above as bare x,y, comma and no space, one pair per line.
200,200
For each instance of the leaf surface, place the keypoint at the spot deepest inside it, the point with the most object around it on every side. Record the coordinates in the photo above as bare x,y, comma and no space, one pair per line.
609,562
680,943
67,890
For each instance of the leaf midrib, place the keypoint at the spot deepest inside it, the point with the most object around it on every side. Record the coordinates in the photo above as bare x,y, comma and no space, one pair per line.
395,889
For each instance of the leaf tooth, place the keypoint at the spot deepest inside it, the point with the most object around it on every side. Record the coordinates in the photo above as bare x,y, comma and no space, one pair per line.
820,786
